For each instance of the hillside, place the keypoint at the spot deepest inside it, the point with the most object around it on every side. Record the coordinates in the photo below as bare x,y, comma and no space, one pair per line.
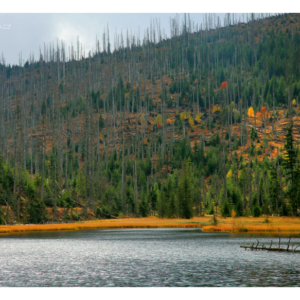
173,127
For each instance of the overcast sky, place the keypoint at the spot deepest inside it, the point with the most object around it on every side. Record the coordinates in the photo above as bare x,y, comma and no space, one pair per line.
26,32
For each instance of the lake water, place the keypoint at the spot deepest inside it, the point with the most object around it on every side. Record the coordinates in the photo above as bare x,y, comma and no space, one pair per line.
142,257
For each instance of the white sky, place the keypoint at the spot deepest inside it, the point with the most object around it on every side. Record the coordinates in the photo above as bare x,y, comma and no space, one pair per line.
30,29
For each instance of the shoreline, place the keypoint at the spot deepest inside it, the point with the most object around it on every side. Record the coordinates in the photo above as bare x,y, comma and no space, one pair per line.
149,222
230,225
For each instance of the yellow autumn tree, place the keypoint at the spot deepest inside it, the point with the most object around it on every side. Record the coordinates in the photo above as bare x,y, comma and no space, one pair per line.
197,119
250,112
190,118
169,121
294,102
216,108
229,174
183,116
101,137
158,119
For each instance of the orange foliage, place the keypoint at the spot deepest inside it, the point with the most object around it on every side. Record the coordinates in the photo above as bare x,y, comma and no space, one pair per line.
184,100
159,125
264,113
233,214
101,137
250,112
169,122
223,85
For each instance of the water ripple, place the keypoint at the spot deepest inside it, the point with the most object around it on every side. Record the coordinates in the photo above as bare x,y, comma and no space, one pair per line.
166,257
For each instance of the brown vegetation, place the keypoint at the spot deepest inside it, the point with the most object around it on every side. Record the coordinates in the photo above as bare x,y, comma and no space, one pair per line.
261,224
285,225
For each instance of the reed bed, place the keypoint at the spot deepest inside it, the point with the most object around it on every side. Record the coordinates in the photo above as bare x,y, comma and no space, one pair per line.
243,224
150,222
260,225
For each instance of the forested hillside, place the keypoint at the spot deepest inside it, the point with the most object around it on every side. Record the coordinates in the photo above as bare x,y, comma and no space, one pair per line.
205,121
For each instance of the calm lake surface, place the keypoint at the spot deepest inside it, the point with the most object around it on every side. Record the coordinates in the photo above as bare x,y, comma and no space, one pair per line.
142,257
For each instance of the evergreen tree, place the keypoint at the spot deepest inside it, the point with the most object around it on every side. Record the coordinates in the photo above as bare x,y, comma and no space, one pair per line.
274,189
172,205
291,172
225,210
154,195
130,197
162,204
144,207
1,217
184,192
35,208
290,158
253,134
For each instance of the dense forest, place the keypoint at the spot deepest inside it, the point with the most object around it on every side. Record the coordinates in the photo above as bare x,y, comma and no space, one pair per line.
202,122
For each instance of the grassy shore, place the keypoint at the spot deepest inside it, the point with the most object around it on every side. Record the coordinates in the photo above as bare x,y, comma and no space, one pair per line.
261,225
149,222
243,224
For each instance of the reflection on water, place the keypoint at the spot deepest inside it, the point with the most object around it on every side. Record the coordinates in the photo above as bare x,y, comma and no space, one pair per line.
142,257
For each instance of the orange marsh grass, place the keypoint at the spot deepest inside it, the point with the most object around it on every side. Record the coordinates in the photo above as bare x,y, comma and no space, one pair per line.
242,224
274,224
150,222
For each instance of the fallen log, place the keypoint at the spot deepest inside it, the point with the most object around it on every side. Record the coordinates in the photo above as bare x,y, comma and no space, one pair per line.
256,128
269,249
277,249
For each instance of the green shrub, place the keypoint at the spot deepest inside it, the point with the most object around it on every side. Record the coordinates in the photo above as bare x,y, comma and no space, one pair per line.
225,210
48,200
1,218
144,208
98,213
36,212
210,210
239,208
256,212
76,217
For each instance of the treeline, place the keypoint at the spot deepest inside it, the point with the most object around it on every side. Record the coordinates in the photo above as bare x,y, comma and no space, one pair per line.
267,187
112,133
